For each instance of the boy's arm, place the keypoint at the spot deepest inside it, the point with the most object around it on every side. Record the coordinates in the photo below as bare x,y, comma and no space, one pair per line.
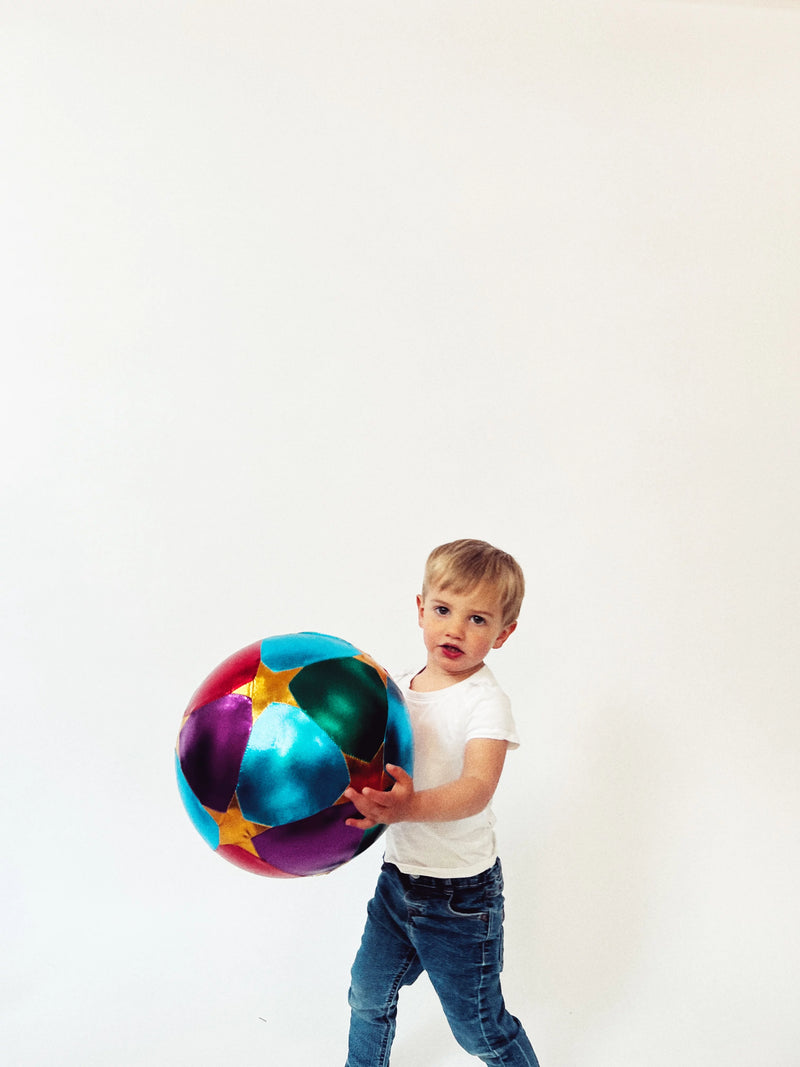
467,795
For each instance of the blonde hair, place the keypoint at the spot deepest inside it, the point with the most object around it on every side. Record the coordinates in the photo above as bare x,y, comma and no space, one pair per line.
462,565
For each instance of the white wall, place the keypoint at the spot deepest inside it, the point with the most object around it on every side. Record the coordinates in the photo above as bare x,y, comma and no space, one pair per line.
293,292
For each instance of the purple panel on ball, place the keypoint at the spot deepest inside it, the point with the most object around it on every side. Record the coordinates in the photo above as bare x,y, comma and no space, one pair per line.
315,845
211,745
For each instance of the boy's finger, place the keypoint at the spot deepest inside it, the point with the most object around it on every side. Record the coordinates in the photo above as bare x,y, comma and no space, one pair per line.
397,772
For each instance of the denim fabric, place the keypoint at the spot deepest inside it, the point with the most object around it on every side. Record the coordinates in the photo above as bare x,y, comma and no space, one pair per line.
453,929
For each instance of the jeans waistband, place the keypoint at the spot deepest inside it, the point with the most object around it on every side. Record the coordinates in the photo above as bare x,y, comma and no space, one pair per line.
429,882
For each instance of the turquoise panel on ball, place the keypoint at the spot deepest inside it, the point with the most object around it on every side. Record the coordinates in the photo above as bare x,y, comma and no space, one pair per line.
291,769
203,822
288,651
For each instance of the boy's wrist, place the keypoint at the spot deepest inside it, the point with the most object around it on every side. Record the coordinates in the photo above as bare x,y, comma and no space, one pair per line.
416,809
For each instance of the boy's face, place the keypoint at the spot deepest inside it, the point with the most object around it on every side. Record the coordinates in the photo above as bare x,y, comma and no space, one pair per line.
459,629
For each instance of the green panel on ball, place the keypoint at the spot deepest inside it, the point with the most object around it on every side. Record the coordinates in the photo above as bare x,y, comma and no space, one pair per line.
347,699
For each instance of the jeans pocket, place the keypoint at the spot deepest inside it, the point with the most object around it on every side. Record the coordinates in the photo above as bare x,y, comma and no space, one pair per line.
469,903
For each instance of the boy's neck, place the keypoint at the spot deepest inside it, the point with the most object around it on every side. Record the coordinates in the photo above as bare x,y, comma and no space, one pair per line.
430,680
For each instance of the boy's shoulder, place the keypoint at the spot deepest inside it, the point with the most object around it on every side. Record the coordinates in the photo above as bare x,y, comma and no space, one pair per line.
484,678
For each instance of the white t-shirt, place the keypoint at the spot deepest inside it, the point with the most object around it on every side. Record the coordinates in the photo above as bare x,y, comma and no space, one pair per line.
443,722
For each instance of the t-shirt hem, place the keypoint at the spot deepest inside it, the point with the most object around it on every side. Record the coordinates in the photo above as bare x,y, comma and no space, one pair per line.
421,871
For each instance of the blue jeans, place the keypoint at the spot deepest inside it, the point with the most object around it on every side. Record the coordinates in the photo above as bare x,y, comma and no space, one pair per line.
453,929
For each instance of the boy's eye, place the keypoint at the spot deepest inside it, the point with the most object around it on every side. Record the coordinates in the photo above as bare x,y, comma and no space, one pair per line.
440,609
478,620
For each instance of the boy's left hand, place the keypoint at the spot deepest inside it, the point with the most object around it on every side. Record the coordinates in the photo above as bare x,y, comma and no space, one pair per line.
377,806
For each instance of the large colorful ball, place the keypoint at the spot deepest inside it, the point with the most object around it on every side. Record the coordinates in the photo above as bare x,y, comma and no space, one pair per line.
271,740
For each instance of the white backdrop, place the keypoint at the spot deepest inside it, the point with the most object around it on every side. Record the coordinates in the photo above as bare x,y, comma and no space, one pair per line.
293,292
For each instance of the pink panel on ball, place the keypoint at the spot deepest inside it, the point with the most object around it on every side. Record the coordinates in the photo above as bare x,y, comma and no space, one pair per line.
248,862
235,671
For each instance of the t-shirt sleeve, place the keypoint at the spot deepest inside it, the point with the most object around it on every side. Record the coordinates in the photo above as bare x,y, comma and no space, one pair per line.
491,718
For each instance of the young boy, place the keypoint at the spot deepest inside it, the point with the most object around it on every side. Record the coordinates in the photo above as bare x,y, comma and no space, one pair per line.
438,904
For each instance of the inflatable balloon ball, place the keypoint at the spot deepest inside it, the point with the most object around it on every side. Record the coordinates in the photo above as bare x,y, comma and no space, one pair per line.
271,740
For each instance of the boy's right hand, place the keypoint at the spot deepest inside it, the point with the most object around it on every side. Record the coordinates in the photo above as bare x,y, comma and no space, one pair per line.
379,807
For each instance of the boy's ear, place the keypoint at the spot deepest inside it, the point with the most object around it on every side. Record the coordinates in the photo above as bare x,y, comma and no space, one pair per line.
504,635
420,609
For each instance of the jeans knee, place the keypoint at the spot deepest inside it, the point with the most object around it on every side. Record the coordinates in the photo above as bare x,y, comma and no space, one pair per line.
504,1044
357,999
366,999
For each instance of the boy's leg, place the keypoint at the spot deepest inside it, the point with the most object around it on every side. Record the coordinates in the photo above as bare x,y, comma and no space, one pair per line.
459,938
385,962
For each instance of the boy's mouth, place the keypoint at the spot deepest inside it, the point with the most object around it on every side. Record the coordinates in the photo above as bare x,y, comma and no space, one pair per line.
451,651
